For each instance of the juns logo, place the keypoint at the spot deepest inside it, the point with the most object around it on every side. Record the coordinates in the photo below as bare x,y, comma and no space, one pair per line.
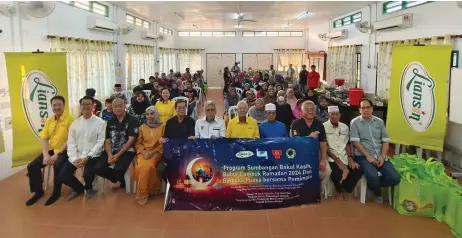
244,154
417,96
36,92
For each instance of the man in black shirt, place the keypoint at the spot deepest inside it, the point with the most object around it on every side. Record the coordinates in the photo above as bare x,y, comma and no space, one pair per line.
121,133
192,96
310,127
143,86
179,126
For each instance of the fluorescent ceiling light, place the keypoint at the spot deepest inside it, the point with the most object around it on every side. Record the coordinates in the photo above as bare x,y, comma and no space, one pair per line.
301,15
285,25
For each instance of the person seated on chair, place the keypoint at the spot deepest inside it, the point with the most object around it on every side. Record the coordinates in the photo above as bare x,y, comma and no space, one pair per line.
345,171
242,126
118,93
121,133
250,98
192,96
107,113
272,128
97,106
138,107
271,96
179,126
174,91
54,152
370,139
164,81
257,112
309,126
231,99
165,106
284,113
84,147
148,156
143,86
210,126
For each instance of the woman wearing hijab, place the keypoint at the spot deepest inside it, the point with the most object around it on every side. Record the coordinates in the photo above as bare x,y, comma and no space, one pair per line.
148,155
231,99
297,91
281,93
250,98
297,110
310,95
291,99
138,107
271,96
284,112
165,106
321,110
246,88
257,112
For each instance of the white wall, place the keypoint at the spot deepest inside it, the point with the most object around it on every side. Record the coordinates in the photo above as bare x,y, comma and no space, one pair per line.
29,34
431,19
239,45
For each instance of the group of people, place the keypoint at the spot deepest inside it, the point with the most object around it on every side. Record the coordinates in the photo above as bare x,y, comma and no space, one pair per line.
107,148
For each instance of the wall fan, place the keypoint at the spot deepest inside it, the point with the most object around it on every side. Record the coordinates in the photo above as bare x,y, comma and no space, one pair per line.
323,37
126,30
363,27
40,9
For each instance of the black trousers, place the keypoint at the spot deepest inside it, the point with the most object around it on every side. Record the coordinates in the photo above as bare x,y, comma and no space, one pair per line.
68,178
120,167
349,183
34,170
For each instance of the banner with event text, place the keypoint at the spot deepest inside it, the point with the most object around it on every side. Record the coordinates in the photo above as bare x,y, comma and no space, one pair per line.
225,174
33,79
418,95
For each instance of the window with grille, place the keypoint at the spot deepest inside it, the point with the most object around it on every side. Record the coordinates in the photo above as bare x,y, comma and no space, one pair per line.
90,6
347,20
394,6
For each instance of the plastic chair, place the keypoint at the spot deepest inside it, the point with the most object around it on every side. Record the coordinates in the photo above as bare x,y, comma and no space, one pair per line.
148,93
128,94
231,110
199,92
127,178
239,91
182,98
363,194
48,175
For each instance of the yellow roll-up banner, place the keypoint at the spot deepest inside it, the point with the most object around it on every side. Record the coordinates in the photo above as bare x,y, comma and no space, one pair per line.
33,79
418,103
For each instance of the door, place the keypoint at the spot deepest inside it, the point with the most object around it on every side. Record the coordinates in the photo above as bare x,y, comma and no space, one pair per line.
249,60
264,61
215,65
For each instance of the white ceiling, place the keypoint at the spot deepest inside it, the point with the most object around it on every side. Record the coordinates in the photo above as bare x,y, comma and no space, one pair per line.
212,15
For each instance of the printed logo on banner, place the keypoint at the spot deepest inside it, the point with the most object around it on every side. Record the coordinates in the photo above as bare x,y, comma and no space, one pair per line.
277,154
417,96
244,154
36,92
262,154
290,153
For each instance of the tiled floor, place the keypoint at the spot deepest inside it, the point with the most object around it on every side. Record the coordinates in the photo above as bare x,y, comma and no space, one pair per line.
116,214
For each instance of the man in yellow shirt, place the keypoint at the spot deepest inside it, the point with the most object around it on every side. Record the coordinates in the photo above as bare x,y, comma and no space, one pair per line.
242,126
54,152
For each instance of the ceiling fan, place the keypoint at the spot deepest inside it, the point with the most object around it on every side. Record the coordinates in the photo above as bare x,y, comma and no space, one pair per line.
240,17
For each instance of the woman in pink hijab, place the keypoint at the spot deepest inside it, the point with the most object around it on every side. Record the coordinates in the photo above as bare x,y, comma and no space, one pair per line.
297,110
290,98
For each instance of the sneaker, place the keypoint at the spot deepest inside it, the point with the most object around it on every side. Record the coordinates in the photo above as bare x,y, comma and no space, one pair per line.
379,200
90,193
72,195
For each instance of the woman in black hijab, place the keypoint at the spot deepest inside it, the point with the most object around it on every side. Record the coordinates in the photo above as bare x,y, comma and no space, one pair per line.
138,107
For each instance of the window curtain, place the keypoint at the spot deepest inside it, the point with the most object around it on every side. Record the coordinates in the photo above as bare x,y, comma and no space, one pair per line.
140,63
341,63
294,57
191,59
90,64
384,64
168,61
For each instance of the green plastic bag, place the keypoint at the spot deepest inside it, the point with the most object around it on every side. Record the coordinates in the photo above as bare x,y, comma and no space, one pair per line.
453,212
414,197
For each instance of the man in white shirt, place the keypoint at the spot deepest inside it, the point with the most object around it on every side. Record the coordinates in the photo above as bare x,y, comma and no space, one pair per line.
210,126
84,146
345,171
